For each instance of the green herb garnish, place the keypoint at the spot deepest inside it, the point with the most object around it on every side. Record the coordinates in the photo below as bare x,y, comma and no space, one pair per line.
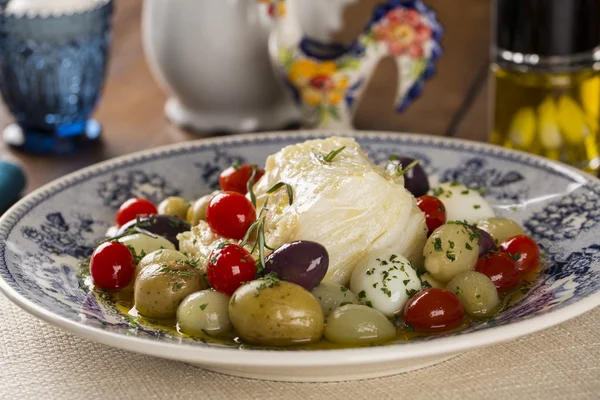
203,306
450,255
288,189
328,158
403,171
437,244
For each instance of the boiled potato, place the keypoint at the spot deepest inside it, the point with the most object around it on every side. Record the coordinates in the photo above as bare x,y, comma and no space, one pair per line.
160,288
450,250
175,206
462,203
356,324
476,292
162,256
428,281
197,211
276,313
206,312
500,228
385,280
145,244
331,296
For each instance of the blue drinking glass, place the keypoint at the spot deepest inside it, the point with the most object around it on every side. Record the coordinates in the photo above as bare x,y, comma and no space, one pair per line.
52,70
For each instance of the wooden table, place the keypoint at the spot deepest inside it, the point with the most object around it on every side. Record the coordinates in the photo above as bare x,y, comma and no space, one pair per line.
131,111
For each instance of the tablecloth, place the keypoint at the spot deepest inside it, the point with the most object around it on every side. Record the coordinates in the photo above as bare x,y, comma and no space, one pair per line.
38,361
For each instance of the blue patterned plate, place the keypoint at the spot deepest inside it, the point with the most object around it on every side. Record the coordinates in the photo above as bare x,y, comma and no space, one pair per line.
43,237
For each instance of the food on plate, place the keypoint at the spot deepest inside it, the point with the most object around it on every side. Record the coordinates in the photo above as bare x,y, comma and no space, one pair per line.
321,248
354,324
204,312
276,313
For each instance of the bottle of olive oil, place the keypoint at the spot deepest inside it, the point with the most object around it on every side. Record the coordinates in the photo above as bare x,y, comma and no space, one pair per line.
546,78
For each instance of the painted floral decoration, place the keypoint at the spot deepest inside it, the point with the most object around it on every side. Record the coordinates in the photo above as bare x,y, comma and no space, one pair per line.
275,8
404,31
320,84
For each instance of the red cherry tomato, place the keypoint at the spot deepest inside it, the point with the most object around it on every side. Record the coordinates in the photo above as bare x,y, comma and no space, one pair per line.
524,250
229,267
435,212
434,310
501,269
236,179
112,266
230,214
132,208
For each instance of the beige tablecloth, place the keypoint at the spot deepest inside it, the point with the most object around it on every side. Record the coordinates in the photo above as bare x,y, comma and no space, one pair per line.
41,362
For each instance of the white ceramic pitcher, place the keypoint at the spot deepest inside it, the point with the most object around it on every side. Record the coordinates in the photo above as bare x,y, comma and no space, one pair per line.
212,57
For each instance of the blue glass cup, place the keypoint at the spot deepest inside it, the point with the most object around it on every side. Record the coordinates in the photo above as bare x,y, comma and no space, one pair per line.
52,70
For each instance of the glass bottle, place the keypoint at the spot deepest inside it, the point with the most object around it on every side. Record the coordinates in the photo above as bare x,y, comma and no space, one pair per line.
546,78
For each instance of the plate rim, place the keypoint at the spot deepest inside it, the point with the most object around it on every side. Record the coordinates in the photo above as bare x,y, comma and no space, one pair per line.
215,355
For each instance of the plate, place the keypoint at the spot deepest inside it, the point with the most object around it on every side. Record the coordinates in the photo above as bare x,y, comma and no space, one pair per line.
43,237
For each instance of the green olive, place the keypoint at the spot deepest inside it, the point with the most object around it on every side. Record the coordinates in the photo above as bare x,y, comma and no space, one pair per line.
276,313
500,228
331,296
357,324
175,206
160,288
476,292
204,312
197,212
450,250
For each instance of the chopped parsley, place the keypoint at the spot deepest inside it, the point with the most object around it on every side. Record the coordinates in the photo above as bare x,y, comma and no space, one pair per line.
458,291
176,286
451,243
370,271
344,289
450,255
411,292
516,256
437,244
455,183
465,192
362,294
368,304
476,206
468,246
203,306
345,303
406,282
477,296
237,165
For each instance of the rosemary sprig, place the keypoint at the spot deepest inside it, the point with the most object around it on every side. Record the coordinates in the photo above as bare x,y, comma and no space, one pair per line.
288,189
260,244
250,184
328,158
403,171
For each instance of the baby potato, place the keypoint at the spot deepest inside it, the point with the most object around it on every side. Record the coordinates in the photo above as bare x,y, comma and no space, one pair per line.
197,210
175,206
428,280
450,250
476,292
206,311
270,312
500,228
462,203
385,280
160,288
161,256
146,244
331,296
358,325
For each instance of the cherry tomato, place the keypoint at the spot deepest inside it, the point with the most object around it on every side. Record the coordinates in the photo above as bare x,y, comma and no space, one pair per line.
230,214
132,208
229,267
501,269
235,179
434,310
112,266
524,250
435,212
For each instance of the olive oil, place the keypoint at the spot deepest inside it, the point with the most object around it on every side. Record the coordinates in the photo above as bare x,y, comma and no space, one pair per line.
555,115
546,79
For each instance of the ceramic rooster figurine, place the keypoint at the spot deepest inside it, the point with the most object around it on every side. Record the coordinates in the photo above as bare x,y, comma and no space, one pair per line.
328,78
